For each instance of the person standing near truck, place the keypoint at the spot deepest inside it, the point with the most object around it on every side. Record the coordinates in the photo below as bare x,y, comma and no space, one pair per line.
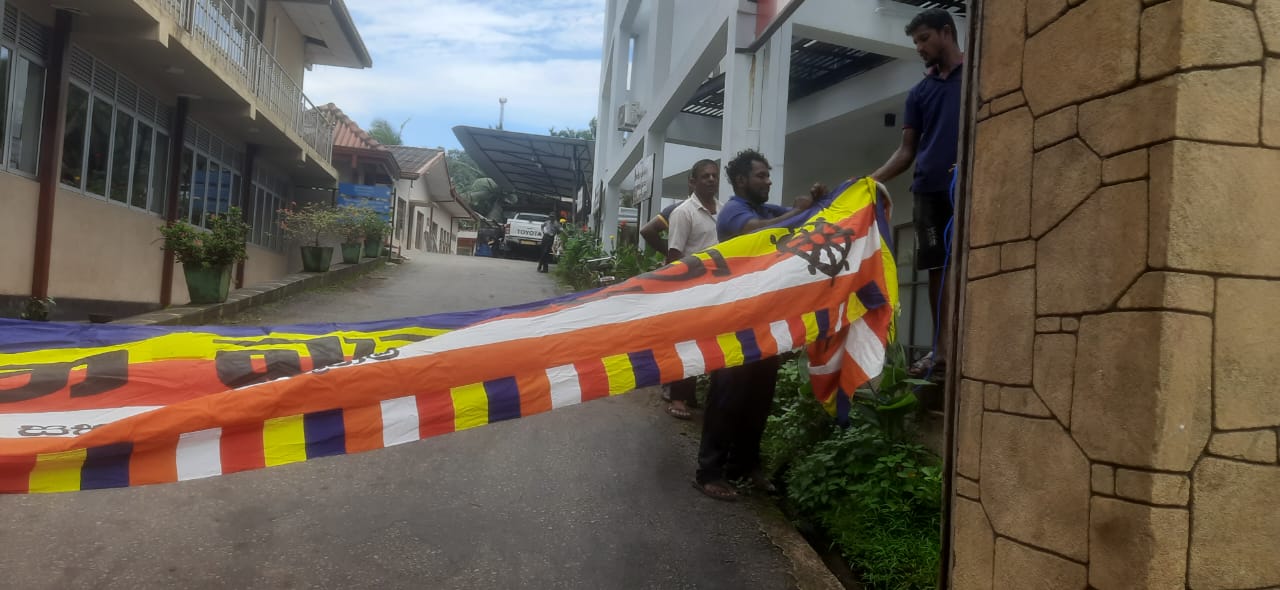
550,228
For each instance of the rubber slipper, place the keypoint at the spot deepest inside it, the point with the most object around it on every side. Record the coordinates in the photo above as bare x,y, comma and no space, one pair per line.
679,414
727,496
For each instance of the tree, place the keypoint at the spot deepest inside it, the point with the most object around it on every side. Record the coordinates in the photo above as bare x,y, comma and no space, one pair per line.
463,171
385,134
588,134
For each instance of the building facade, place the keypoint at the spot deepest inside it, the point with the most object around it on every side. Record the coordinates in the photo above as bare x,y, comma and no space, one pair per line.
435,213
817,86
123,114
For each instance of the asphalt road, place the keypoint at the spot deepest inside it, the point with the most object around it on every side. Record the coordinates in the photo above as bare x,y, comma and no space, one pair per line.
591,496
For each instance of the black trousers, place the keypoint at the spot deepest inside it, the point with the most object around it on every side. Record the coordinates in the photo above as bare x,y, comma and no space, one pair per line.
737,408
685,390
544,260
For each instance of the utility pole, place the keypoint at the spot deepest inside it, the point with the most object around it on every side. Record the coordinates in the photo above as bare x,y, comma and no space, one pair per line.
502,108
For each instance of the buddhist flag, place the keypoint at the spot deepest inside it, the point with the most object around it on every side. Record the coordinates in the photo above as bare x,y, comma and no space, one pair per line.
101,406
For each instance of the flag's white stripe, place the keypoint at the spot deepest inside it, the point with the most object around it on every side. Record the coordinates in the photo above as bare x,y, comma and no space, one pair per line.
782,335
786,274
63,424
864,347
840,318
831,366
565,388
691,358
199,454
399,421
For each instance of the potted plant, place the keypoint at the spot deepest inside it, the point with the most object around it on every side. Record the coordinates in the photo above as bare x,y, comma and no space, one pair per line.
350,225
308,225
207,256
374,228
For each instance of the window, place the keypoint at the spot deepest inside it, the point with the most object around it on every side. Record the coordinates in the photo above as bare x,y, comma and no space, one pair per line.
121,155
26,116
99,147
24,45
141,166
115,143
160,175
269,194
73,137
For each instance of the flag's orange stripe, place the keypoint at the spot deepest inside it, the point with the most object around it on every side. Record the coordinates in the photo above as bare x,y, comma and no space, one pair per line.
157,462
363,427
670,367
535,393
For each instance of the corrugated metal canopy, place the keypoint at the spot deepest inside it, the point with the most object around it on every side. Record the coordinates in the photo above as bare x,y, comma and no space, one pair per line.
528,164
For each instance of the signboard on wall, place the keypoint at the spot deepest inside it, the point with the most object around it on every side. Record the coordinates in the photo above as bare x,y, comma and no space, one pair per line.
643,174
767,11
366,196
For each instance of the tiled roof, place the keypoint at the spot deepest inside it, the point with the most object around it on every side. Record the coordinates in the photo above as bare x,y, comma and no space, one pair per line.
347,133
412,160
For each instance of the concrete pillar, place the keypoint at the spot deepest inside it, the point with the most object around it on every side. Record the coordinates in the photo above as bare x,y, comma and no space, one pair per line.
609,220
1117,419
755,102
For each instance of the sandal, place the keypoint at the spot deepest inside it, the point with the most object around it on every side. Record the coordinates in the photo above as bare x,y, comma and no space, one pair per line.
679,413
717,490
926,365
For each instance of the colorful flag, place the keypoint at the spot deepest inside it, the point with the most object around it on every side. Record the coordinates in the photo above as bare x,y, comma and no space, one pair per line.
100,406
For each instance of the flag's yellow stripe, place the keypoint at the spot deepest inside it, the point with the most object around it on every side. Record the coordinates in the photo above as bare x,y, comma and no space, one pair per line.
810,327
57,472
284,440
189,346
470,406
622,377
732,349
854,309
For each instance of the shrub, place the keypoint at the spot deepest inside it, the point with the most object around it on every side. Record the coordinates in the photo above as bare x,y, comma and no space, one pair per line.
309,223
221,245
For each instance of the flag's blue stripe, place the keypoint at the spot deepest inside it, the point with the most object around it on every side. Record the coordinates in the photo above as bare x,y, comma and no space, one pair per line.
645,366
504,399
106,467
750,348
326,435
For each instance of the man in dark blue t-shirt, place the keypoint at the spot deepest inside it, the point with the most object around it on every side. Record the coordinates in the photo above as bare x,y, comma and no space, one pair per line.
740,397
930,134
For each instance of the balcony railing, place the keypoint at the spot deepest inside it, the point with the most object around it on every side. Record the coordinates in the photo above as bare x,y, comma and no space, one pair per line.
216,25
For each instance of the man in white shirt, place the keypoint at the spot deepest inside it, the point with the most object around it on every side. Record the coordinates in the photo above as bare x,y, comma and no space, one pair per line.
692,228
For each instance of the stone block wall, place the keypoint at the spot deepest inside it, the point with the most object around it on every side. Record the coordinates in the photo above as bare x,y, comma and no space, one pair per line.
1119,406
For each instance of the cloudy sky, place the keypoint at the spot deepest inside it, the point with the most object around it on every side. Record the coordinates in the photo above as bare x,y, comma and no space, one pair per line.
445,62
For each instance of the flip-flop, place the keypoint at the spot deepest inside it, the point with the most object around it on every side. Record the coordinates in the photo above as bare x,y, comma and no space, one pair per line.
728,496
679,414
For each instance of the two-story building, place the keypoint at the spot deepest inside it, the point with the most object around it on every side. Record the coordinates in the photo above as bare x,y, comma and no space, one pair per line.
122,114
818,86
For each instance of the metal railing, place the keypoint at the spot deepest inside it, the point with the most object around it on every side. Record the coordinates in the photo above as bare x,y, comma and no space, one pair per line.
214,24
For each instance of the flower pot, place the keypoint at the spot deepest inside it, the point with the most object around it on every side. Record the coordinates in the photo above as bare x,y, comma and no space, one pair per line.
351,253
373,246
316,258
207,285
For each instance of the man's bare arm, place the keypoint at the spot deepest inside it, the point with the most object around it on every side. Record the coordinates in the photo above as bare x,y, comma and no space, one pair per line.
652,234
901,158
802,204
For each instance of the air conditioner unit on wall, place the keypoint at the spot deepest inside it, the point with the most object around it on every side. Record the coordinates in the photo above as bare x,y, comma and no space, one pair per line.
629,115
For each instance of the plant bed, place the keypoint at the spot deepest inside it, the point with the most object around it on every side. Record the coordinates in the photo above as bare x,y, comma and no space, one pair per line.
866,495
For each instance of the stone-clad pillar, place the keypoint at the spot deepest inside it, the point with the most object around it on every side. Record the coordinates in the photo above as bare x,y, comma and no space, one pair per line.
1119,405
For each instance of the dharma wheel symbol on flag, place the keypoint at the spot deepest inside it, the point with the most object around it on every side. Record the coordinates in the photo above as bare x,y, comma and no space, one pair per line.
824,245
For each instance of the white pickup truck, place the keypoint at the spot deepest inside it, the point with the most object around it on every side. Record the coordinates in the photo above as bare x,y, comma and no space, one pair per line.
524,234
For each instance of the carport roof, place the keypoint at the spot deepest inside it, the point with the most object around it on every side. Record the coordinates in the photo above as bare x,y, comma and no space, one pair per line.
534,165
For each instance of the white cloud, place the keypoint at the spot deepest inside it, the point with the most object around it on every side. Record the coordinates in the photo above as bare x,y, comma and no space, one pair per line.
446,62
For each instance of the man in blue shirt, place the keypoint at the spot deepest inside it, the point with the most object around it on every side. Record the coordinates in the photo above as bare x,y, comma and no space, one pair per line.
930,134
740,397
